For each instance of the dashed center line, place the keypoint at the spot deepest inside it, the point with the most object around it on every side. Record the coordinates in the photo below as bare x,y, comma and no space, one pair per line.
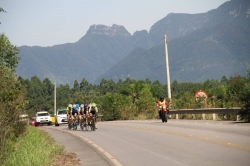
228,144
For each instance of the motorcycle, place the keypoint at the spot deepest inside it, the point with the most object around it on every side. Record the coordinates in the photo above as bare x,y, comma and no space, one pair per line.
164,111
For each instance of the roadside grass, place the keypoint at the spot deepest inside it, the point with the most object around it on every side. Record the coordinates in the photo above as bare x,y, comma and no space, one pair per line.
34,147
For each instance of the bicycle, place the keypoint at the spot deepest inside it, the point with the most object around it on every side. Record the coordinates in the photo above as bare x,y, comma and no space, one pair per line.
92,123
75,123
84,124
70,123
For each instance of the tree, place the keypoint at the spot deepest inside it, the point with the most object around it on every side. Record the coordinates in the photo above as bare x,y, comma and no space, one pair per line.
48,94
35,95
235,89
76,87
11,104
63,96
220,94
224,80
8,53
1,10
156,89
146,103
116,106
245,99
84,85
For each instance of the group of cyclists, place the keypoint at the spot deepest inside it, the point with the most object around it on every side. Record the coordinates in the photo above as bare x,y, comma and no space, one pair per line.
81,113
85,112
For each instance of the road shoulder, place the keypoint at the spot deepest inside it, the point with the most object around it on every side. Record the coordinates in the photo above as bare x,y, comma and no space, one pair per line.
84,153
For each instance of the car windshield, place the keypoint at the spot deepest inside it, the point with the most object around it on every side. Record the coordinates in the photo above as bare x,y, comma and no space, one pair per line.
43,114
60,112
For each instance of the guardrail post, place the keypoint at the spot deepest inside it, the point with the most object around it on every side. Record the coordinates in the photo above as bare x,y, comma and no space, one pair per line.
238,117
177,116
214,116
204,116
193,116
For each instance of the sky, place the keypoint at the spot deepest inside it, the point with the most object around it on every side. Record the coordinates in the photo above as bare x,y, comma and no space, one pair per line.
52,22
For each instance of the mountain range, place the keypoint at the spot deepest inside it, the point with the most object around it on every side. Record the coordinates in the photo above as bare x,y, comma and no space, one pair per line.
200,46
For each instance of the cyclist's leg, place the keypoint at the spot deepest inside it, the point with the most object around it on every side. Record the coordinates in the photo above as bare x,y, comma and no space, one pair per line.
80,119
83,121
68,118
95,122
89,118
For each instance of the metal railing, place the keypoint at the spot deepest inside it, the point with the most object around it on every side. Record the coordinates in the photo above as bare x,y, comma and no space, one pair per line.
205,111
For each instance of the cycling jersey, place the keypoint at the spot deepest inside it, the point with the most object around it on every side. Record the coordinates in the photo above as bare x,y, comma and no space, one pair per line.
68,109
81,112
74,111
86,110
93,110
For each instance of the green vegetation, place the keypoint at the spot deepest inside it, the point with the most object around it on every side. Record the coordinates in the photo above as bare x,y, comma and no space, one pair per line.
135,99
34,147
11,101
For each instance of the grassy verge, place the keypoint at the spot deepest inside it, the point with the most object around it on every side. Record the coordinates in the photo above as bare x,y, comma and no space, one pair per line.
34,148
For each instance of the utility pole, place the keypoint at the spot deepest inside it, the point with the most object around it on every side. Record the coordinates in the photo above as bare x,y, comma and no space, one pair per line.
55,100
167,66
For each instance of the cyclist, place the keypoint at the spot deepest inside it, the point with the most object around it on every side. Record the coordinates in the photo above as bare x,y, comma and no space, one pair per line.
86,113
74,112
78,112
162,105
69,109
81,113
94,112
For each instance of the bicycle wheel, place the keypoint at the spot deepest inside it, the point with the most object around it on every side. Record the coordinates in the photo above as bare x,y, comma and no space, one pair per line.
81,126
166,117
74,126
162,117
70,126
93,124
86,125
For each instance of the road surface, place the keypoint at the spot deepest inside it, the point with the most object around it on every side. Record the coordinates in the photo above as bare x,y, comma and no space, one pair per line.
178,142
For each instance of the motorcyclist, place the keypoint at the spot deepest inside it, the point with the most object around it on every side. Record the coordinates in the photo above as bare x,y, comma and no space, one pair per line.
162,105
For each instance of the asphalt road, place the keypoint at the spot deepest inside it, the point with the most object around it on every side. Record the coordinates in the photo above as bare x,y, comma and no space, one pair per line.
178,142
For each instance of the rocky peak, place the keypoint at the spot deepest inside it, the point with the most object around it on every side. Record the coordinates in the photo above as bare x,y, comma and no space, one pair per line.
114,30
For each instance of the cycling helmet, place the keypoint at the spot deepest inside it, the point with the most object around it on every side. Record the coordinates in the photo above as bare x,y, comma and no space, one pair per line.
93,104
77,105
82,105
70,105
74,106
162,97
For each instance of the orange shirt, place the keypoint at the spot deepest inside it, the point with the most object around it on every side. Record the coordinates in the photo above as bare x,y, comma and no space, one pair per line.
160,104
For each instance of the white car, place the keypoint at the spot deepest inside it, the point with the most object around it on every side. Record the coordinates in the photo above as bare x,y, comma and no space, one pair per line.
61,117
42,117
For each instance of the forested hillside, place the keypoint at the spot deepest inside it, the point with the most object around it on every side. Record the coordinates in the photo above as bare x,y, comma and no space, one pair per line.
201,46
207,53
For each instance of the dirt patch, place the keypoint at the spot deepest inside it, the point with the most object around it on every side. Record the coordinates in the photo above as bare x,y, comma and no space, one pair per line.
64,159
